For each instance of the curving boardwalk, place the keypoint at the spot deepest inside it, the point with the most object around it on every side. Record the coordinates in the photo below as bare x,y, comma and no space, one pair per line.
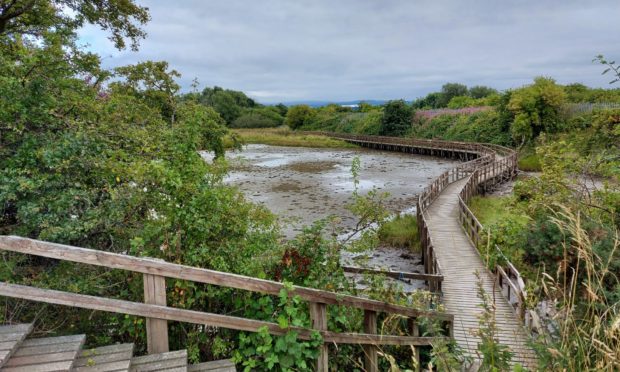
447,248
459,261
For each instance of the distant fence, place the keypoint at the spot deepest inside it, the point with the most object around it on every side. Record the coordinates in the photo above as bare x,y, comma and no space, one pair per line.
586,107
569,109
429,114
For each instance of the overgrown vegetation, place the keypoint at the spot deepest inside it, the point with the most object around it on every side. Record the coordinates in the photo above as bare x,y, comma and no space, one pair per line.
401,231
283,136
109,160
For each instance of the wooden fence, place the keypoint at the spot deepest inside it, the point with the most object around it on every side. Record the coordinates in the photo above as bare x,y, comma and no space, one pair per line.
158,314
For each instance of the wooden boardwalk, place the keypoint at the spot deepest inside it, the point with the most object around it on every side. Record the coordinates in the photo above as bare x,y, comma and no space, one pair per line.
448,249
459,261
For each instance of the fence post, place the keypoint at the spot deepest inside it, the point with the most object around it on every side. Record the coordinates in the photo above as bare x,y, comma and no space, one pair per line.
371,360
156,329
318,315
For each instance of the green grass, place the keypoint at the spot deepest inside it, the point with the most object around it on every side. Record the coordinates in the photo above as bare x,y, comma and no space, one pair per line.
283,136
494,209
529,161
401,232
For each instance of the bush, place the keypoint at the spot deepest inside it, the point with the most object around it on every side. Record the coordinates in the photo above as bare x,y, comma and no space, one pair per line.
298,116
401,231
397,118
482,126
259,118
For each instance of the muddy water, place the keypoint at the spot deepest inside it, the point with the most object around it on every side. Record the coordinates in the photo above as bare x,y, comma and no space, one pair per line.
302,185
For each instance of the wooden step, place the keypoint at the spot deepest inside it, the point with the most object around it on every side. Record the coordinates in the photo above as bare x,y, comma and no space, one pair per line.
224,365
113,358
173,361
11,336
45,354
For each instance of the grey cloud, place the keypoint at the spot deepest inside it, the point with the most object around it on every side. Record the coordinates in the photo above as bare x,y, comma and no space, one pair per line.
354,49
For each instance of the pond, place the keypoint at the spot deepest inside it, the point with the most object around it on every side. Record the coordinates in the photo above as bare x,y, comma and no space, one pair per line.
302,185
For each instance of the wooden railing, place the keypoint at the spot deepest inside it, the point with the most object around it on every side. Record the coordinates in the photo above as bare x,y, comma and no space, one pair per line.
482,179
158,314
492,165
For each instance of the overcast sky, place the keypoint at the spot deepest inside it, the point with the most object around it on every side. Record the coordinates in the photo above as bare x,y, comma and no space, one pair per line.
290,50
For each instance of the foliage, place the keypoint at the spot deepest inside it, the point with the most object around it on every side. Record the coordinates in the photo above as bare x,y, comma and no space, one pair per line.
263,351
529,161
577,93
230,104
462,101
610,67
482,126
456,95
116,167
367,121
299,116
283,136
151,83
400,231
123,19
480,91
536,109
588,313
449,91
264,117
396,119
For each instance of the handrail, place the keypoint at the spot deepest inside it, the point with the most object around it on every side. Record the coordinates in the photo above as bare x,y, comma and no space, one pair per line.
508,277
493,164
196,317
157,313
146,265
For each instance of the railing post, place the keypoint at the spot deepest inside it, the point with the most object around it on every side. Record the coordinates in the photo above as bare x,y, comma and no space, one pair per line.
156,329
318,315
371,360
415,332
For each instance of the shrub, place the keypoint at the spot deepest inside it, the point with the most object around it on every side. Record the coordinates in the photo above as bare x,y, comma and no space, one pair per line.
401,231
259,118
298,116
396,119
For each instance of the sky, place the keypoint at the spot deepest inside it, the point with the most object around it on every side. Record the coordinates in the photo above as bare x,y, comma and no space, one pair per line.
340,50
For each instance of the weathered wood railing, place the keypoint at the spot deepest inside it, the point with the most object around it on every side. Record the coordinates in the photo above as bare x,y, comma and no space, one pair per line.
482,179
491,165
157,313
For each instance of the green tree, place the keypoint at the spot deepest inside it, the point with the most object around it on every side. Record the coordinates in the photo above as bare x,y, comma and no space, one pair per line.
122,18
230,104
481,91
449,91
153,83
431,101
536,109
397,116
282,109
299,116
462,101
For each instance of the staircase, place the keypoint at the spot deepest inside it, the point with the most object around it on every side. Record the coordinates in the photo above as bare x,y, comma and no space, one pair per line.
65,353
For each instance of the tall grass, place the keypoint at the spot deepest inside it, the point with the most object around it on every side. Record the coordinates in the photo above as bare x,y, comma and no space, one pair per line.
283,136
401,232
587,317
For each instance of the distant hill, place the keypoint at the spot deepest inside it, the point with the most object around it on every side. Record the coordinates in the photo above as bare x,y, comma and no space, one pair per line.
341,103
